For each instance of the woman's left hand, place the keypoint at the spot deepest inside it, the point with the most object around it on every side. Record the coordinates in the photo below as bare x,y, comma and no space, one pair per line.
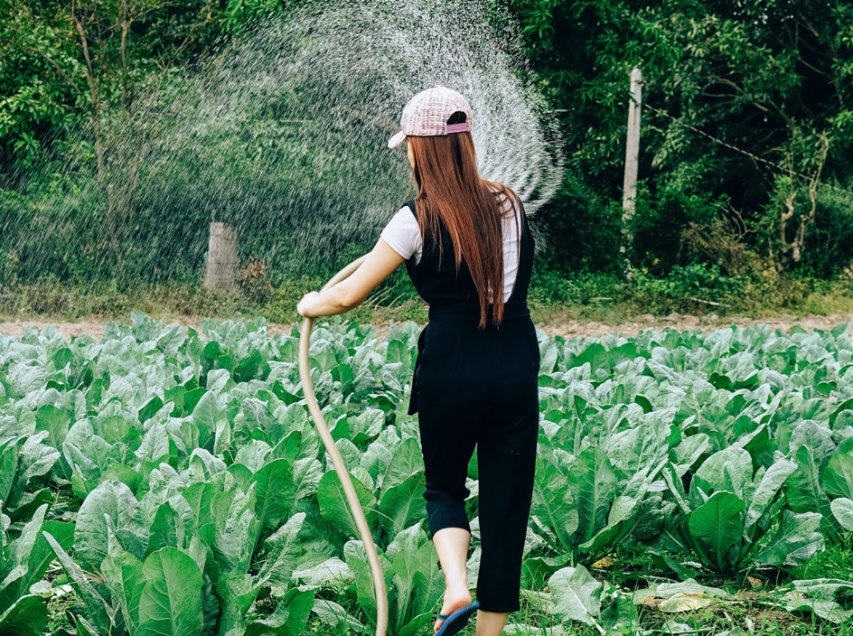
346,294
304,306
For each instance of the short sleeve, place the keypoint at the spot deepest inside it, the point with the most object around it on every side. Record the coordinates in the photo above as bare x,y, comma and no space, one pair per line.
402,233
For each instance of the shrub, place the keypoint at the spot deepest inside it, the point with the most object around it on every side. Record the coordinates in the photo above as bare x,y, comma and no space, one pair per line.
696,283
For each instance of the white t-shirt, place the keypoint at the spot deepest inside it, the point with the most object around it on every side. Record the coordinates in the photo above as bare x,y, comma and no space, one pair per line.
403,235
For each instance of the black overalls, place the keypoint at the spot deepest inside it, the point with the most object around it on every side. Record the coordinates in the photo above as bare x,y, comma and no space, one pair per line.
478,388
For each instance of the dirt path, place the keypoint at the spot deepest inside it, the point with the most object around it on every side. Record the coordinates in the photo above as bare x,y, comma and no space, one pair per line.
566,328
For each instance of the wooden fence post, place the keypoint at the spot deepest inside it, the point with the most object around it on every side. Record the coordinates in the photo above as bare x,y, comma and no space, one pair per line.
632,151
223,264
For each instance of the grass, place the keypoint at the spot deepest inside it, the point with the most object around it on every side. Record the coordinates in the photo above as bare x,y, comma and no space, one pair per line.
834,562
553,297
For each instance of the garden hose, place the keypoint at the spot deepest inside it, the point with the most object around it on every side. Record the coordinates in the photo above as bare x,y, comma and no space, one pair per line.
340,468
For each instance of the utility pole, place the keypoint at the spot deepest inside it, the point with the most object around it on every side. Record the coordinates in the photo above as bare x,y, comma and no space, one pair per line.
632,152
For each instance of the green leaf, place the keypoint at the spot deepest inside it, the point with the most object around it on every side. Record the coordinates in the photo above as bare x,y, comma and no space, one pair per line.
210,506
335,616
846,405
42,554
334,507
55,421
170,603
248,367
595,354
675,486
842,508
238,594
150,409
62,357
83,627
274,492
17,575
795,541
837,476
207,414
289,618
402,505
829,611
805,494
576,595
26,616
825,588
716,528
620,521
729,469
97,609
594,485
407,461
328,572
767,489
553,504
280,552
307,473
112,499
356,559
416,578
124,577
235,539
418,625
366,425
9,452
22,547
36,458
817,437
164,529
191,398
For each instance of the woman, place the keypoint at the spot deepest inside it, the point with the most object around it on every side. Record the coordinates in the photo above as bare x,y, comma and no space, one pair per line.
475,379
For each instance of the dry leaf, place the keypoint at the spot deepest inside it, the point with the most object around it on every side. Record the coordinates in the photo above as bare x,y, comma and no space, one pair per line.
685,602
603,564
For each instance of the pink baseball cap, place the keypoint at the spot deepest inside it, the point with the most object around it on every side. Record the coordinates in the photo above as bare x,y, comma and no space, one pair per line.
427,113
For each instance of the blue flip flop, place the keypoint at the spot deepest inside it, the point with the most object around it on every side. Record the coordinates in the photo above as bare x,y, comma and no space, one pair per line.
455,622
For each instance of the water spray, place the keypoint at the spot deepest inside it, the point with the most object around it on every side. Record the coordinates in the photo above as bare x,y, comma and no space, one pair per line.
284,126
376,572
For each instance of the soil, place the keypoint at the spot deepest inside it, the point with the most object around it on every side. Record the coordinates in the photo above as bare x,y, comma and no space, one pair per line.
565,328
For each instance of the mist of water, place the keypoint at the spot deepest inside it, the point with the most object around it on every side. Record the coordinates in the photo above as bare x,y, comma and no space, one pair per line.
283,133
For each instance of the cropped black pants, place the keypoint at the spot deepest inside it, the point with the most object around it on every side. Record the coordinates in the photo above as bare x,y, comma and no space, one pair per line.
478,389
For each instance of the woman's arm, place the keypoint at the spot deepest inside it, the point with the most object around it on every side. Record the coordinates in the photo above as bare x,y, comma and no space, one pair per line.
349,293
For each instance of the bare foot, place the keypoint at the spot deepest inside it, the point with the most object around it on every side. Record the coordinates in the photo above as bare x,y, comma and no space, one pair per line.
456,596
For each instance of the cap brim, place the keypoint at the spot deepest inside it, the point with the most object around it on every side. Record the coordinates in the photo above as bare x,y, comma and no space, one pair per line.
396,140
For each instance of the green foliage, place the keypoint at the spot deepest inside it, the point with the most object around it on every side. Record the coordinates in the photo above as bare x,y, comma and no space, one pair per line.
40,78
751,76
239,13
692,281
203,501
769,79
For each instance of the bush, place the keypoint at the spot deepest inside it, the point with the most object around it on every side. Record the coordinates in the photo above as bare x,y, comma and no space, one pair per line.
579,229
829,246
552,287
663,215
692,284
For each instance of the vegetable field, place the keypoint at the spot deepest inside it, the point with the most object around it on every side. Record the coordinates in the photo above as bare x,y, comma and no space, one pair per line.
165,481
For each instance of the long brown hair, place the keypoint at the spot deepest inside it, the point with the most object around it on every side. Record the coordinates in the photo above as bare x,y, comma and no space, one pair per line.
451,190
